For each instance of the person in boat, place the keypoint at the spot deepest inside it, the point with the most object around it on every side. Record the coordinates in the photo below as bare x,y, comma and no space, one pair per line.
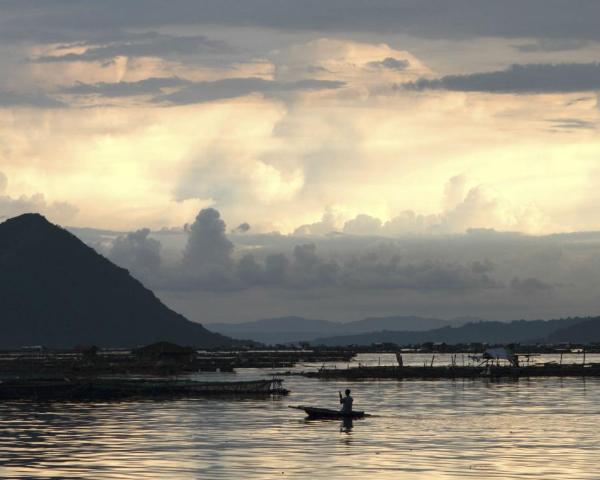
346,402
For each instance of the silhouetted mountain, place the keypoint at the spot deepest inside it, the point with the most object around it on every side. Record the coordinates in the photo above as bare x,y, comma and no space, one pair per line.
295,329
587,331
487,332
58,292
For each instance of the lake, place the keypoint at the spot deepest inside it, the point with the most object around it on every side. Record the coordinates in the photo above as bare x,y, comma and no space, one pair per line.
543,428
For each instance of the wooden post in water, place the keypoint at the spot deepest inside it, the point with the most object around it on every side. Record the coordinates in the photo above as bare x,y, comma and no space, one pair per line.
584,357
561,358
432,357
399,359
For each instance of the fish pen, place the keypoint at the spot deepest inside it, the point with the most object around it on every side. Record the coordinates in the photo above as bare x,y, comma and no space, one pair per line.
115,388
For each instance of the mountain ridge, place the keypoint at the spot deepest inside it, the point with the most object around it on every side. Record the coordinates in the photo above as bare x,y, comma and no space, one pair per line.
294,328
493,332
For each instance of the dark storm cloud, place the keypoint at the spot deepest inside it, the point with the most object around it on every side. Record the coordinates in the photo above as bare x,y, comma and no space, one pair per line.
28,99
210,264
368,269
148,86
529,78
484,272
199,92
274,270
390,63
426,18
373,271
149,44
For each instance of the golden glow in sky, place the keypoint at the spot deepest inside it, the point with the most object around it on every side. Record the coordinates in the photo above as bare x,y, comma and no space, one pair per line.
290,132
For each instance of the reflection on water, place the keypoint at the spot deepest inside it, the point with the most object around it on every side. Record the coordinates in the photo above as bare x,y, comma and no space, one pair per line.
540,428
347,425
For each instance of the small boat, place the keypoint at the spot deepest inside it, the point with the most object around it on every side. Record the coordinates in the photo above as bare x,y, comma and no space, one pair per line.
318,412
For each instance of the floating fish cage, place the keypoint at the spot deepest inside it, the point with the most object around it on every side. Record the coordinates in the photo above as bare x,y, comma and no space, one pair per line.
111,388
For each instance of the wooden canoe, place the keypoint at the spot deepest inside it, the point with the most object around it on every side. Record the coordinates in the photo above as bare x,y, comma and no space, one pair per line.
318,412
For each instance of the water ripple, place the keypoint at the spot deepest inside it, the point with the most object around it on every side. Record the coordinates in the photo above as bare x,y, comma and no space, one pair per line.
539,428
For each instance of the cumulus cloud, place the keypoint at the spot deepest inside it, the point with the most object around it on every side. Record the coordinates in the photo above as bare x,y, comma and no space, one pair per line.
207,262
310,270
137,252
210,263
327,224
454,191
363,224
56,211
12,206
236,173
369,271
242,228
465,208
481,272
208,245
529,78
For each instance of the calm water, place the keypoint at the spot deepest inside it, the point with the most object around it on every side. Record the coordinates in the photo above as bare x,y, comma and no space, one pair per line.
538,428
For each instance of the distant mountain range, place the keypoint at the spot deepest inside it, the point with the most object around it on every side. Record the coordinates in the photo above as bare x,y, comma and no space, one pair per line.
575,330
58,292
296,329
410,330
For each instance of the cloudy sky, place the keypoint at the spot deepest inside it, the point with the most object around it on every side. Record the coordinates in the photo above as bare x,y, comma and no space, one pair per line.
333,159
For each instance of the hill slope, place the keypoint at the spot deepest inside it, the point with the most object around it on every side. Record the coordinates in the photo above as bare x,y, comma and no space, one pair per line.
587,331
58,292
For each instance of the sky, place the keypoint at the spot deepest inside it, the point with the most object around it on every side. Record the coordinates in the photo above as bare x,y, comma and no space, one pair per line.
333,159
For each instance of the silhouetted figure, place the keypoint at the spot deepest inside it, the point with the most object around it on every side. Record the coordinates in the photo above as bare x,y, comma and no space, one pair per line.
346,402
